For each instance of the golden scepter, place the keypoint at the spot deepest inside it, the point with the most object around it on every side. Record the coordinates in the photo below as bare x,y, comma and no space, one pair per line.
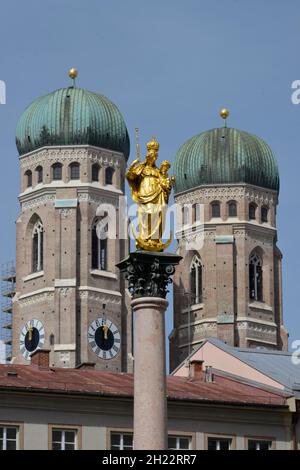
138,148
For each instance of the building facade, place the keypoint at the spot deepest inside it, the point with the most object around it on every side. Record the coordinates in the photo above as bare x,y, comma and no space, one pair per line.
45,408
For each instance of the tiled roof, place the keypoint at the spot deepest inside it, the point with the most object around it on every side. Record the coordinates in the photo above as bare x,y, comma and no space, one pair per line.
90,381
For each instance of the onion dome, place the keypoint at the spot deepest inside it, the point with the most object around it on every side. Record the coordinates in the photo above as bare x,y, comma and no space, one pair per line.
225,156
72,116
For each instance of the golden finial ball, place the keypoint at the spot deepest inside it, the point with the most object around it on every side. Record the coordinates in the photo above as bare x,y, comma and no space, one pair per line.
73,73
224,113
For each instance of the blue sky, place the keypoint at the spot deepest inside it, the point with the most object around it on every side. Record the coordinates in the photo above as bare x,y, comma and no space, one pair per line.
170,66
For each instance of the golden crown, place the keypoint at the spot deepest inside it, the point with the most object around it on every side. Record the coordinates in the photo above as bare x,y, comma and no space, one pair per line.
153,144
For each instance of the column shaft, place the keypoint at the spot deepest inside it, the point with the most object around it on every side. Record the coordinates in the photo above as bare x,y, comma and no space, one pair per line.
150,402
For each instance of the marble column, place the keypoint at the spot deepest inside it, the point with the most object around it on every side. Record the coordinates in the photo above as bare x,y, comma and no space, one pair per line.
150,403
148,275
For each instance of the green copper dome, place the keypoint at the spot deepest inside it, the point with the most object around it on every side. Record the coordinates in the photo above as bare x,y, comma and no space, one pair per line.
225,156
72,116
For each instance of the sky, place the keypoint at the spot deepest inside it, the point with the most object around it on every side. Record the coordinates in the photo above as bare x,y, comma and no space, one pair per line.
169,65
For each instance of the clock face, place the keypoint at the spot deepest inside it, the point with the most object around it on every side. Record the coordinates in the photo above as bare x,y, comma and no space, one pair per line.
104,338
32,337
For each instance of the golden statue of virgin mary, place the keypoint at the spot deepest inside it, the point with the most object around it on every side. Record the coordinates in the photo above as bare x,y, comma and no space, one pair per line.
150,189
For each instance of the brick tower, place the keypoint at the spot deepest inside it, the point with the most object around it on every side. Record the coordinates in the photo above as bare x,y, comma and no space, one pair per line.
73,147
228,284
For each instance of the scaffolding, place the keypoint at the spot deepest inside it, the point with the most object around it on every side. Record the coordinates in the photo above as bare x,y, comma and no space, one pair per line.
8,290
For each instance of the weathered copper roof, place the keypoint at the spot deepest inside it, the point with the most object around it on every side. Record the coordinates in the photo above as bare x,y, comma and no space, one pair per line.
89,381
225,156
72,116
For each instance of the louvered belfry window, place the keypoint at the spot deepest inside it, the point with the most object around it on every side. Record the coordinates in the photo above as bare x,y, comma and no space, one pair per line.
255,277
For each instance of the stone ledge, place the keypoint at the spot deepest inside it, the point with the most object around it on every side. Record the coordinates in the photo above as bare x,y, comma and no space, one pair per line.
193,308
260,306
33,276
65,347
37,292
65,282
65,203
108,274
100,291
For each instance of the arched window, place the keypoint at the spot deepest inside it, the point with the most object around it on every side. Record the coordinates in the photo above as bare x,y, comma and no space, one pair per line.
99,244
186,214
75,171
264,214
51,339
252,211
232,209
109,173
215,209
39,174
95,172
57,171
37,247
28,175
255,277
196,212
196,280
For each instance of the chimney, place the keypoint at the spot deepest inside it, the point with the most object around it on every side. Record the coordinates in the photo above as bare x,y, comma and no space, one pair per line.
40,358
86,365
196,369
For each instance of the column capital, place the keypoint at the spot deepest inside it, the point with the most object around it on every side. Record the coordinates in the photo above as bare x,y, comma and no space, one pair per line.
149,273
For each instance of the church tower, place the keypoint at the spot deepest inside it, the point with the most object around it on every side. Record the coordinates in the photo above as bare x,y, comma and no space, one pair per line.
73,147
228,284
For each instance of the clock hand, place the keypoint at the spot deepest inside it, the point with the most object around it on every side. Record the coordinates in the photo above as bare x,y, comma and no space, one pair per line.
105,329
30,331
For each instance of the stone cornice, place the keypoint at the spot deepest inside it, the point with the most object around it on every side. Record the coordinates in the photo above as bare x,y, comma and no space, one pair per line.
241,230
235,192
86,192
251,320
99,197
71,153
54,149
39,296
99,295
